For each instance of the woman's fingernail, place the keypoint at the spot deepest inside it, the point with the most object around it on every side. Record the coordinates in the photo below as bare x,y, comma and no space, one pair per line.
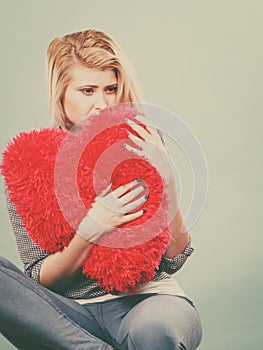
144,187
147,196
143,211
138,179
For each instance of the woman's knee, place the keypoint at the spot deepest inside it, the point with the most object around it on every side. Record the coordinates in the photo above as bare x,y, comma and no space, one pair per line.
153,334
4,262
7,264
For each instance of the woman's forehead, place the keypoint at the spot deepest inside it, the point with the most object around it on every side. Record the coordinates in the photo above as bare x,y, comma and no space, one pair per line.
81,75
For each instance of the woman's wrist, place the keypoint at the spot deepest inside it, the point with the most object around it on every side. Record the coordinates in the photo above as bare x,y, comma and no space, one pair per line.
90,229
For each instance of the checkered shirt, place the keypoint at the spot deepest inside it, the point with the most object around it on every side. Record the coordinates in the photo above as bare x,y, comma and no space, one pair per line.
32,257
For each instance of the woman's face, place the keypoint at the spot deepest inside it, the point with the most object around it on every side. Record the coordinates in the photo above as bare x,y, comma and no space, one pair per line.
89,91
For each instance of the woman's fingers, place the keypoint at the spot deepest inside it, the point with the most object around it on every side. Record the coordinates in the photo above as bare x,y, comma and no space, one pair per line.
149,135
106,190
132,194
141,119
135,204
126,203
120,191
133,216
146,122
139,129
134,150
136,140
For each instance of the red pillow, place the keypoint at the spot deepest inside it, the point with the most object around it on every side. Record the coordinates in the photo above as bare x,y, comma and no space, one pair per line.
53,177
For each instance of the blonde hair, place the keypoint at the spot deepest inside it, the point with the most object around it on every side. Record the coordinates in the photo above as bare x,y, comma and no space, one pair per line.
92,49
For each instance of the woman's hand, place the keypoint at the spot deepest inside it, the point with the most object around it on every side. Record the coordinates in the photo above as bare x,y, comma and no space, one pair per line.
109,210
112,209
149,145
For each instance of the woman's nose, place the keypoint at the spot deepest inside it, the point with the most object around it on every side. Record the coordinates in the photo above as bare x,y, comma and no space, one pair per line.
100,102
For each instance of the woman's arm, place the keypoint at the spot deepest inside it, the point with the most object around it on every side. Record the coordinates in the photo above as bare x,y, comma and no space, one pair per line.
179,238
59,270
56,271
152,147
109,210
180,247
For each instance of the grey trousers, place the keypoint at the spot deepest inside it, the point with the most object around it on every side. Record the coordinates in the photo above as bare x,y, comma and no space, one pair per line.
33,317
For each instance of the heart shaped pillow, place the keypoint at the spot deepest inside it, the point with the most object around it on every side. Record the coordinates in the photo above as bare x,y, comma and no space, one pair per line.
53,177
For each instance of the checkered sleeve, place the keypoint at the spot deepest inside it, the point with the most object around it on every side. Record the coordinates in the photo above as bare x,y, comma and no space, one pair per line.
172,265
31,255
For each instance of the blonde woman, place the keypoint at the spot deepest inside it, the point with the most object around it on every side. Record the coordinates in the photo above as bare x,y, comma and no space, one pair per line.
52,305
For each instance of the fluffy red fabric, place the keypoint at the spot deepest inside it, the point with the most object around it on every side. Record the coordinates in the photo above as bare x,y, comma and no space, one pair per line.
53,177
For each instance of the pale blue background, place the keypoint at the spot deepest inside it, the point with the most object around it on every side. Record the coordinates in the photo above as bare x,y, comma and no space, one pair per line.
202,60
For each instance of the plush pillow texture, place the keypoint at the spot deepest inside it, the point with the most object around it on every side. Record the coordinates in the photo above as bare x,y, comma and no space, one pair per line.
53,177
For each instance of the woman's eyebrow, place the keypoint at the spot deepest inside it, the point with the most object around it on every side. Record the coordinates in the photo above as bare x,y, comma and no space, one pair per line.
96,86
88,85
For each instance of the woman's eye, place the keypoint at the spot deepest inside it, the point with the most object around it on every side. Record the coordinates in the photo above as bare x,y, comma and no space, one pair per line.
111,89
87,91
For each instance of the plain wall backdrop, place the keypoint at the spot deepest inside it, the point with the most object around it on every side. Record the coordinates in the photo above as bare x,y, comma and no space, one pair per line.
203,61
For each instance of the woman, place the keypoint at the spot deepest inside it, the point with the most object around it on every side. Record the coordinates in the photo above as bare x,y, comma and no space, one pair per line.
64,309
